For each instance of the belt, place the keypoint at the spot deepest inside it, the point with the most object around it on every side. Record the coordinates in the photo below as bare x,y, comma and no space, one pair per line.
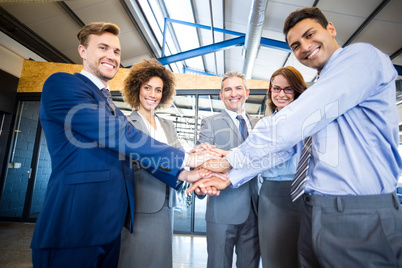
341,203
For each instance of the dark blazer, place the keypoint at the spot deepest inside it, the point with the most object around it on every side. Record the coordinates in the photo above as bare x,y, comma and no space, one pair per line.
232,206
90,189
150,194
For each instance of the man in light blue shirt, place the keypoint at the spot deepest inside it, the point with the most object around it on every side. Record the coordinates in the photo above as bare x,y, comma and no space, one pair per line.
350,112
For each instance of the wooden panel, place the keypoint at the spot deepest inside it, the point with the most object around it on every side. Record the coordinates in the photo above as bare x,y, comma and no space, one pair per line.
35,73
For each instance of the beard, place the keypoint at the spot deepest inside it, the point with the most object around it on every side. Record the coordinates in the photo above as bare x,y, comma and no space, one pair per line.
104,76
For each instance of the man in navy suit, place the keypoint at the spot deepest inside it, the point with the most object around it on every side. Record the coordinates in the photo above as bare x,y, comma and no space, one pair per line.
91,145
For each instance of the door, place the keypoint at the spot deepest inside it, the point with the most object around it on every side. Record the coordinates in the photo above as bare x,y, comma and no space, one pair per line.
28,167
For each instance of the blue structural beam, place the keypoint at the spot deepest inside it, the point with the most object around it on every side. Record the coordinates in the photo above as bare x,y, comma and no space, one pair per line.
189,70
238,41
271,43
205,27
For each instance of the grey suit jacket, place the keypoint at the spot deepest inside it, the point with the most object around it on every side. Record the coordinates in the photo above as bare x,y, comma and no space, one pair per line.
232,206
150,193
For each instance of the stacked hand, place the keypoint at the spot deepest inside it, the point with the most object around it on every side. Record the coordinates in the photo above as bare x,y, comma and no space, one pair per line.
211,173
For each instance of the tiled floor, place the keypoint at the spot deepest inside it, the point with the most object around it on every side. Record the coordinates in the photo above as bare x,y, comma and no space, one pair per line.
188,251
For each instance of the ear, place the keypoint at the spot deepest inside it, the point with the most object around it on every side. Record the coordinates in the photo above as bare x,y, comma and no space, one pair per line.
331,29
81,51
247,93
220,94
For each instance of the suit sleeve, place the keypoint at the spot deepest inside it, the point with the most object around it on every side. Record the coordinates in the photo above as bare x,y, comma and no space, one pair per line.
88,123
207,132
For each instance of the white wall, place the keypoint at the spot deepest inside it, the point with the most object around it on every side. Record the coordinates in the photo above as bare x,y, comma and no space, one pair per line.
13,54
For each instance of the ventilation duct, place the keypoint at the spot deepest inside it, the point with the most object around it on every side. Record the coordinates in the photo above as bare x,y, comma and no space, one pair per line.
253,35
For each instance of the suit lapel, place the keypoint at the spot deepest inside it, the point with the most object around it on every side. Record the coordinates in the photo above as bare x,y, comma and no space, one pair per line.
226,117
166,129
98,95
137,122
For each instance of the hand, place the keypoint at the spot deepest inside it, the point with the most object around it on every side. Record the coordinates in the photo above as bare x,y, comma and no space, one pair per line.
217,165
222,152
210,149
211,191
189,176
202,147
196,159
196,174
213,181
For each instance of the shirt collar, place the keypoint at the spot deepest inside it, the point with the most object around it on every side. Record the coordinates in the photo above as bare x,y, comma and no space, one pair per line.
94,79
333,56
234,114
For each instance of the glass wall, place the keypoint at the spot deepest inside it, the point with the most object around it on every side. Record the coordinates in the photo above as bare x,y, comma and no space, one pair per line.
186,112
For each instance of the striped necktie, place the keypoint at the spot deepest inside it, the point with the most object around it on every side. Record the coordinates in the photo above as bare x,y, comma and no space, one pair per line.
242,127
109,101
297,188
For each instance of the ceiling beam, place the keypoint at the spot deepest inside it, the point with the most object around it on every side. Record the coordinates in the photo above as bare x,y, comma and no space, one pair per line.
366,22
396,54
71,13
239,41
192,3
133,11
18,31
271,43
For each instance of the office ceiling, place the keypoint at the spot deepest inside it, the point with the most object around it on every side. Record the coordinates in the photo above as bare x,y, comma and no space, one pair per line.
46,31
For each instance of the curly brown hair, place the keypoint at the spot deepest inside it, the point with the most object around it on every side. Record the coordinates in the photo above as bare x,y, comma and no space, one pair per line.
141,73
295,80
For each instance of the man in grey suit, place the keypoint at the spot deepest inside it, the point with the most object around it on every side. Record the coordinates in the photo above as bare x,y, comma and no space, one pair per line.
231,217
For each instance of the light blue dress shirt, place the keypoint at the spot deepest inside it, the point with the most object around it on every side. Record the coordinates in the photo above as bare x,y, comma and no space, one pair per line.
350,113
283,171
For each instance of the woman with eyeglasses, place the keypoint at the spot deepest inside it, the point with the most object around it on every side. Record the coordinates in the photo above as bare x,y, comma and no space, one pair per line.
278,216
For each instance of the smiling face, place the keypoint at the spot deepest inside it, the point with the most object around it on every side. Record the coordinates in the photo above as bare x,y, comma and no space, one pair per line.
312,44
150,95
101,57
234,94
281,99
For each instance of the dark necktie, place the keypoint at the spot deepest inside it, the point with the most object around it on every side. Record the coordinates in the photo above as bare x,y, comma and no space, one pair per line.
297,188
242,127
109,101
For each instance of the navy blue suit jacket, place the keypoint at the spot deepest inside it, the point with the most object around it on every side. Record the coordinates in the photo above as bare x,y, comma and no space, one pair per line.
90,189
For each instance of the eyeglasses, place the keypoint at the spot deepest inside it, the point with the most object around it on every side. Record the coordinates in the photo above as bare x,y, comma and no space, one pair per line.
286,90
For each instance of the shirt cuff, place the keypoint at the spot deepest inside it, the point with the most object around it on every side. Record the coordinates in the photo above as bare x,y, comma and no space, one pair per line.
185,161
236,159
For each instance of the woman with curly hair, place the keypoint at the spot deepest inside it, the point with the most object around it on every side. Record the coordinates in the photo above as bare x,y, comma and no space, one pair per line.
148,87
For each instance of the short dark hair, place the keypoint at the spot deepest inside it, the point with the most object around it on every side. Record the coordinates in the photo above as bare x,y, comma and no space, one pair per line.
295,79
96,28
301,14
141,73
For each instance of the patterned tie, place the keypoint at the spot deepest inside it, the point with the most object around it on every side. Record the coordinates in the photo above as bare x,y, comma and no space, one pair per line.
297,188
242,127
109,101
